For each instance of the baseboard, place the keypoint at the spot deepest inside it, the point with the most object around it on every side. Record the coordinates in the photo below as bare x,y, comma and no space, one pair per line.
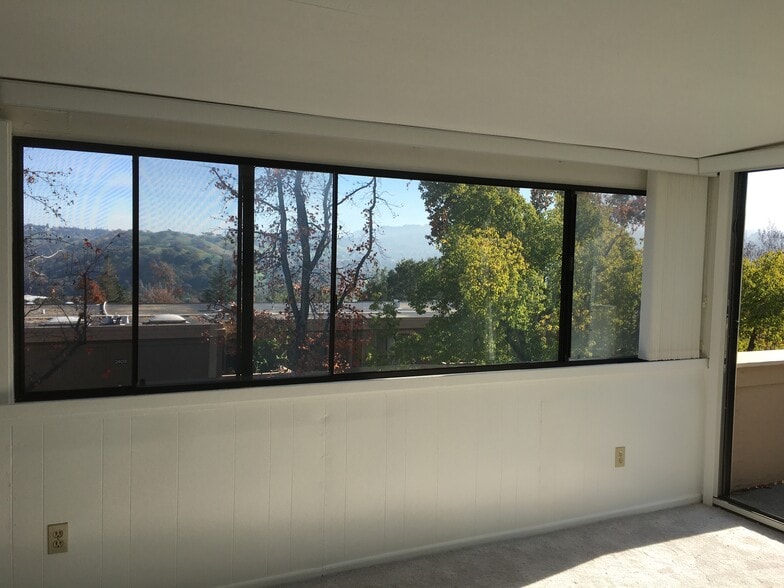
308,574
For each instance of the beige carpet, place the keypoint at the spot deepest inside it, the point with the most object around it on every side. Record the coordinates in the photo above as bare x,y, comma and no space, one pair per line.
688,546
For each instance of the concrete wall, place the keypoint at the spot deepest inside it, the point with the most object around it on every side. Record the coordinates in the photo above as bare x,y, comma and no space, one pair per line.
222,487
758,435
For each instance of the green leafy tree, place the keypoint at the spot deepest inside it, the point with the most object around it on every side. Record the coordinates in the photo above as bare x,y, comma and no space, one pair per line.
495,290
109,282
489,289
762,303
222,288
607,276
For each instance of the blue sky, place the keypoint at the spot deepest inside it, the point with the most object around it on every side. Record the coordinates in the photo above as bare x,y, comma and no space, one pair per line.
176,195
101,184
405,206
181,195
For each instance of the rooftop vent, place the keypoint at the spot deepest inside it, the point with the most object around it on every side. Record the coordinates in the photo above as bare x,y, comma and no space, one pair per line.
166,319
57,321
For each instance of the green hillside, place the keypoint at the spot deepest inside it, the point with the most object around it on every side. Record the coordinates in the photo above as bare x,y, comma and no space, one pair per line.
193,259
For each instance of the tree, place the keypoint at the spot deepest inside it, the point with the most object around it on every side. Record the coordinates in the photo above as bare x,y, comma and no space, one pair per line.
293,237
489,289
607,276
50,191
222,288
166,287
762,303
83,290
771,238
496,288
109,282
762,291
495,291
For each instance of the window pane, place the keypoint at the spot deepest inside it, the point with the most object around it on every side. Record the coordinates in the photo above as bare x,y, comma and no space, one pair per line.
607,275
77,210
293,218
762,288
187,271
438,274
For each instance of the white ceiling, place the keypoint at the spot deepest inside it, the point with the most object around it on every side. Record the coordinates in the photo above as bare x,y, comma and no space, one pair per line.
691,78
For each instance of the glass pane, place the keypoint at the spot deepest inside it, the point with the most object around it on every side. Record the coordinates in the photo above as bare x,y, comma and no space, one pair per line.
757,456
77,210
292,269
607,275
187,271
762,293
438,274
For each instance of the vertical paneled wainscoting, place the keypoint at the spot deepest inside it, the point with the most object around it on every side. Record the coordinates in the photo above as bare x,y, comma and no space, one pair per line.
232,488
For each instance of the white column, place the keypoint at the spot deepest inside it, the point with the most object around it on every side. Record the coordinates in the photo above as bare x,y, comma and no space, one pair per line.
6,322
671,305
715,344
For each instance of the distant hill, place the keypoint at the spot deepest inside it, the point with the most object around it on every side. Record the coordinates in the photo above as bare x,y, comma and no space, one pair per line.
194,258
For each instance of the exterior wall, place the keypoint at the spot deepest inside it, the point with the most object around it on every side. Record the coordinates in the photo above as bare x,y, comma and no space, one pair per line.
221,487
210,489
167,354
758,437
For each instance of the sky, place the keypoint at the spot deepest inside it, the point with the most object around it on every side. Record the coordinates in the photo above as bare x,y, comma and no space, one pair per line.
181,195
99,185
404,205
177,195
765,200
173,194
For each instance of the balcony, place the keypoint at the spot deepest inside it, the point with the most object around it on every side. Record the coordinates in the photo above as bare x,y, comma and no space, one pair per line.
758,434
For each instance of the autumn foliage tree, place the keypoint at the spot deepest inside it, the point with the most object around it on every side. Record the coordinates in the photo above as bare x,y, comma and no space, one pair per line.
166,286
293,253
62,271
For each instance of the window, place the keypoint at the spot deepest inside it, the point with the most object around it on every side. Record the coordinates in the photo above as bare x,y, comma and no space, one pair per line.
140,270
607,275
761,320
186,267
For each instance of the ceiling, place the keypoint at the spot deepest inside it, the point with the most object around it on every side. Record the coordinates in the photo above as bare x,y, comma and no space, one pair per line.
693,79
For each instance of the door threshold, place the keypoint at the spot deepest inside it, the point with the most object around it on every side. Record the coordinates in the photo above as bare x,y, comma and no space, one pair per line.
750,513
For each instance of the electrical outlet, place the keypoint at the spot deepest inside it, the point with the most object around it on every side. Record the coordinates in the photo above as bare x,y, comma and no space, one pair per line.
57,538
620,457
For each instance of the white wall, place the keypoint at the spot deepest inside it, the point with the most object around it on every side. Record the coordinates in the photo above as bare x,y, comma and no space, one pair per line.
216,488
222,487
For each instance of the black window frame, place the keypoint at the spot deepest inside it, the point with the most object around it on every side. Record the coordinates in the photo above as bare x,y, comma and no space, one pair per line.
245,166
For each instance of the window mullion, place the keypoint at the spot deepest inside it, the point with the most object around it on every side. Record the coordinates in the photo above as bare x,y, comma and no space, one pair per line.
567,275
246,254
333,296
18,264
135,272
